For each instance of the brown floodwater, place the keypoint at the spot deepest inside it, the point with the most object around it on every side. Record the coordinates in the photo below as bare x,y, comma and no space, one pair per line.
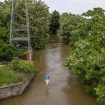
64,87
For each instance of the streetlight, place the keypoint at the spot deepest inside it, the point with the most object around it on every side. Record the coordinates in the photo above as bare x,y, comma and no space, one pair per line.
17,46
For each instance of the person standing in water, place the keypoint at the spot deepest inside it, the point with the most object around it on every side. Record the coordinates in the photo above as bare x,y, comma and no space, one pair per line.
47,77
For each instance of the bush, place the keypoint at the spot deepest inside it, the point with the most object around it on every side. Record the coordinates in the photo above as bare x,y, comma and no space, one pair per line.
2,44
7,51
100,91
90,89
22,66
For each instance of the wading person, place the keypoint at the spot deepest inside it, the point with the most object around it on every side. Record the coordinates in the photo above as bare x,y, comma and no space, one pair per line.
47,77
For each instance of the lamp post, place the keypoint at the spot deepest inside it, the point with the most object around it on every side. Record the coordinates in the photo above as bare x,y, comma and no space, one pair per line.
17,46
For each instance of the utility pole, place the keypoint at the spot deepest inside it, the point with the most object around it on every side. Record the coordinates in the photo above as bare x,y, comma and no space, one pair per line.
19,26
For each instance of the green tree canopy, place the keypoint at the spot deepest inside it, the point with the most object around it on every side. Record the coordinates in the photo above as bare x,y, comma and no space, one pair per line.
39,24
87,56
54,23
68,23
4,20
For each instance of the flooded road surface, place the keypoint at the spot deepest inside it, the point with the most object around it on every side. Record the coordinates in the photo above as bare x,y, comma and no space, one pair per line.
64,87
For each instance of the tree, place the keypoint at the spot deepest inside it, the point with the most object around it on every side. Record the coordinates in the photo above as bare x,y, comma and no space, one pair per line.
88,53
39,20
68,23
7,51
4,20
54,23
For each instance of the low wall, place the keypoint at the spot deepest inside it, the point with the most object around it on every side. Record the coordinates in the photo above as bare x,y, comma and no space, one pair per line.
15,89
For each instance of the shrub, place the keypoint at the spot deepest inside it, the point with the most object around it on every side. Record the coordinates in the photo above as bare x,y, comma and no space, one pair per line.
22,66
100,91
9,52
2,44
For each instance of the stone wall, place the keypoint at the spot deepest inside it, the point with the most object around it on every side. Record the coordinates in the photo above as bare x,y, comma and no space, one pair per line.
15,89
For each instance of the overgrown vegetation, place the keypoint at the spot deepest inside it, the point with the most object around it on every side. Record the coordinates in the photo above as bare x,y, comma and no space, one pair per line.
68,23
22,66
86,36
87,58
4,21
16,71
39,24
7,52
54,22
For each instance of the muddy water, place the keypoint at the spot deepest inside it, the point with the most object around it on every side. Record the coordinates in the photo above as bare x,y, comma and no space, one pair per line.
64,87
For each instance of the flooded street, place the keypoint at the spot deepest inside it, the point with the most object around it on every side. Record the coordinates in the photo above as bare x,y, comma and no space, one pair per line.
64,87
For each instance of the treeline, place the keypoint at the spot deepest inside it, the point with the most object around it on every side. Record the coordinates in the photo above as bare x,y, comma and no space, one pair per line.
5,48
40,25
86,36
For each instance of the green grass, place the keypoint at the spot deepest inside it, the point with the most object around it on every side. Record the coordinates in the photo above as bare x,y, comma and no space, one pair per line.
21,52
16,71
8,76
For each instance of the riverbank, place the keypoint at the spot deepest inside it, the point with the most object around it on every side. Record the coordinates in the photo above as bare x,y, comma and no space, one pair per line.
15,76
15,89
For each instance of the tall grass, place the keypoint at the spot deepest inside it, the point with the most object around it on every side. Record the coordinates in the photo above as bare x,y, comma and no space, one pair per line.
16,71
8,76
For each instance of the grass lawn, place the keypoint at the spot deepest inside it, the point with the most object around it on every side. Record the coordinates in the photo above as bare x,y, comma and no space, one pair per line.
8,76
16,71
